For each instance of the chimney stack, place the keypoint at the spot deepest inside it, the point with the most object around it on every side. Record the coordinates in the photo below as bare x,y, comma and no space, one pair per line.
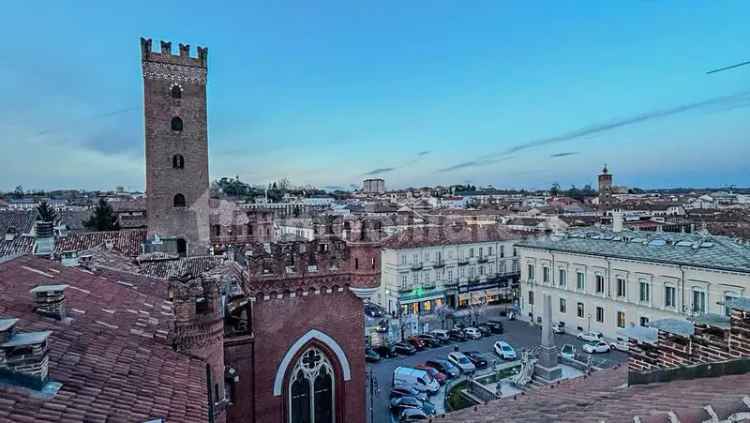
24,357
44,242
50,300
10,233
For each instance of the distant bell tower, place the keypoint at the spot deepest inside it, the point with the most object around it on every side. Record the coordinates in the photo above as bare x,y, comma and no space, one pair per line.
605,188
177,184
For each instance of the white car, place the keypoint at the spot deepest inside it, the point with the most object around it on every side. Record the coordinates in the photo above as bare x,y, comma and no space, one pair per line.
473,333
590,336
504,350
621,343
596,347
461,361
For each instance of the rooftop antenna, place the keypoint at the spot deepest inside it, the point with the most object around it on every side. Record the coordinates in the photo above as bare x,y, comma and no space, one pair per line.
728,67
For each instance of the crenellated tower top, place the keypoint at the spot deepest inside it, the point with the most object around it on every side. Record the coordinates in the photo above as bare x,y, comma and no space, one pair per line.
165,55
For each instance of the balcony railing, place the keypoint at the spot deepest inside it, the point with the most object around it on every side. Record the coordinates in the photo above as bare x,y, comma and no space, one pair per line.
439,263
463,261
416,266
451,284
482,260
428,285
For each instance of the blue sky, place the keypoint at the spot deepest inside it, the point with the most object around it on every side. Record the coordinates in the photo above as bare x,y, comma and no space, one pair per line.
420,93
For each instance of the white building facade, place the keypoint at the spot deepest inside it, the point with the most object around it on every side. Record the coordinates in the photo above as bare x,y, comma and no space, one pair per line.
608,281
421,273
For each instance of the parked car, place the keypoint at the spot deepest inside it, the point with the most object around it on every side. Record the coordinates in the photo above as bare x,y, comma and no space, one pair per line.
558,328
404,348
412,415
373,310
417,378
462,362
386,351
441,335
568,351
417,343
596,347
371,356
504,350
485,329
477,359
621,343
496,326
437,374
429,341
472,333
412,402
406,390
589,336
444,366
457,335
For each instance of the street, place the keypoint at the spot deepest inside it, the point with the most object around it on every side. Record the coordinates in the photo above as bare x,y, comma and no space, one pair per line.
519,334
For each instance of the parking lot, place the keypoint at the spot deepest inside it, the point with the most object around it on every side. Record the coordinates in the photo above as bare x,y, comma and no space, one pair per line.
519,334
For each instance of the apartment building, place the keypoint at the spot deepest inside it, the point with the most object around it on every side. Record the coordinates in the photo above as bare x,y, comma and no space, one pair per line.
424,268
607,281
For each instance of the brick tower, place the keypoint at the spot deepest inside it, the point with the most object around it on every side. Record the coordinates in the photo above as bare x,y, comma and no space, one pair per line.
177,184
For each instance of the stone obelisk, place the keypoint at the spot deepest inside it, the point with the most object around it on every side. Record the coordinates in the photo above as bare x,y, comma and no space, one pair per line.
547,367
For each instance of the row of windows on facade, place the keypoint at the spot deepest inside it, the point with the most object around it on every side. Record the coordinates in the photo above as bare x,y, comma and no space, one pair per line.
644,288
438,257
599,315
698,305
439,275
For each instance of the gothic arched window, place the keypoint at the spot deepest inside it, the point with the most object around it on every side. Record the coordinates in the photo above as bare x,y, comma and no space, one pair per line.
179,200
176,124
178,162
176,91
311,389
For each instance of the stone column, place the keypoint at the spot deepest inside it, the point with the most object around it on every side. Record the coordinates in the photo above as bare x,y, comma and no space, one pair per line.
547,367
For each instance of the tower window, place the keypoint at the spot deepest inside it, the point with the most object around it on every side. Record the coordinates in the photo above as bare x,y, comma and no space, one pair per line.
176,124
176,91
179,200
178,162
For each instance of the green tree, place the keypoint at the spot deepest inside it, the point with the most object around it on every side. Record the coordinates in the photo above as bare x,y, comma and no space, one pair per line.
103,219
46,213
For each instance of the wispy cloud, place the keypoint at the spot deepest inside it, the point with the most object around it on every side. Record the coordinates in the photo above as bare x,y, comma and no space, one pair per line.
723,103
423,153
380,171
569,153
473,163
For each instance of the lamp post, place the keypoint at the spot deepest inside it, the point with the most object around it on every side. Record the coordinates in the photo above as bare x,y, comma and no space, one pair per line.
589,317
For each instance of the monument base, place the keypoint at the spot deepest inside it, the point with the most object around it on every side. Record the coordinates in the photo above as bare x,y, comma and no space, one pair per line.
548,374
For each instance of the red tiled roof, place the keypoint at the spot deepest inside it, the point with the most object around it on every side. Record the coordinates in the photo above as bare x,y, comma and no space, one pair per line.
604,397
18,246
449,235
112,359
179,267
127,242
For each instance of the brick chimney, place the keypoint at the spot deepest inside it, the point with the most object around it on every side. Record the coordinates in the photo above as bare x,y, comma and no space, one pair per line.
11,233
50,300
24,357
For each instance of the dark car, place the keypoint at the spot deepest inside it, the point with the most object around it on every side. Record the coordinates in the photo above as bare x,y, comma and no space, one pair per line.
371,356
435,373
444,366
403,403
407,391
477,359
485,329
495,326
382,326
457,335
404,348
413,415
373,310
417,343
430,341
386,351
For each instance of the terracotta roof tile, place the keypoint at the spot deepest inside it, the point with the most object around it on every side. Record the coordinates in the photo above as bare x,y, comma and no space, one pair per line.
107,373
